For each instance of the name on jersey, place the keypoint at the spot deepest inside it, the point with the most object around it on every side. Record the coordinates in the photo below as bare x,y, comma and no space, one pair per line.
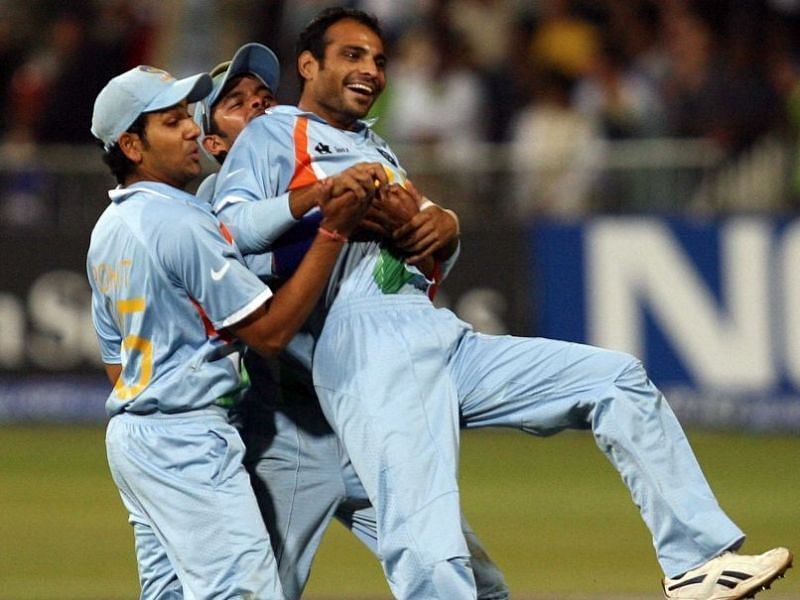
112,276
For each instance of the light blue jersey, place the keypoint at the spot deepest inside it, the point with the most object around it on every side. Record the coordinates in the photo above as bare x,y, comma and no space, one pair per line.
164,281
288,149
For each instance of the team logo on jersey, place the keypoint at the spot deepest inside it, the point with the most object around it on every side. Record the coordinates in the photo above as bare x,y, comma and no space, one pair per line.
387,156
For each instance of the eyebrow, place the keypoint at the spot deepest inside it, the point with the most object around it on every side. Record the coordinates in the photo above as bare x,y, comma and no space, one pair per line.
363,50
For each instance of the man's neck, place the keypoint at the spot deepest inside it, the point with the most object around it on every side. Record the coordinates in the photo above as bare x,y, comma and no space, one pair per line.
139,178
332,119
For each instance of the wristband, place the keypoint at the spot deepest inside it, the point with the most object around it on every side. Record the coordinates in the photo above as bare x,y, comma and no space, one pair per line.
426,204
333,235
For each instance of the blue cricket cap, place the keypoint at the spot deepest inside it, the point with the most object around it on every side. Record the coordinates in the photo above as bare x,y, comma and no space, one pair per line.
251,59
140,90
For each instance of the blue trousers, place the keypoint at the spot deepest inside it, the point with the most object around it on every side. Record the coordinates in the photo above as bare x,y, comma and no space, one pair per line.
304,479
396,378
196,523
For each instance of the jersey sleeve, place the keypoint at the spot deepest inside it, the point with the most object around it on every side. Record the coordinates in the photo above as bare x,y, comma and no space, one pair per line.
246,194
447,265
210,268
108,335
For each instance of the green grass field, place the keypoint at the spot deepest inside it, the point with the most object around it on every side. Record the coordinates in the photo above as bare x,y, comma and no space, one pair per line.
552,512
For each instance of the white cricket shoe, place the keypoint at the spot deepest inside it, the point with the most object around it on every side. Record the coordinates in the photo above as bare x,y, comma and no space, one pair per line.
729,576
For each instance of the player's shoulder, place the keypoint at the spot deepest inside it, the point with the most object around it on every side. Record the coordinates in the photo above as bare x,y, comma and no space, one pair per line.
378,141
274,119
205,191
167,211
266,133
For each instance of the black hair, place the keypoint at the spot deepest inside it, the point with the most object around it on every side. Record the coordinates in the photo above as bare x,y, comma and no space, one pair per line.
313,38
120,165
213,129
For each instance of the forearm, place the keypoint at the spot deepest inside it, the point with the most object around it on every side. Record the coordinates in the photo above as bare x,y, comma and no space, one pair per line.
446,252
256,225
113,371
303,200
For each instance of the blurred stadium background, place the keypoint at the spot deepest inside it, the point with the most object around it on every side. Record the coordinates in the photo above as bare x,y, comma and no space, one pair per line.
627,175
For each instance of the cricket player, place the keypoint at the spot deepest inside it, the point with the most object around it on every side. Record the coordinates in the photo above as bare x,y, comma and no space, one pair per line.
395,376
170,298
301,474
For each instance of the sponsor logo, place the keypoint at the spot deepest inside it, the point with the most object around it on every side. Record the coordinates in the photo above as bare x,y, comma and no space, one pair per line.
219,274
321,148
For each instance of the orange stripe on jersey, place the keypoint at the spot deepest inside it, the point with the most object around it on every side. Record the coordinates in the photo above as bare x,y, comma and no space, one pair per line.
226,233
303,173
207,326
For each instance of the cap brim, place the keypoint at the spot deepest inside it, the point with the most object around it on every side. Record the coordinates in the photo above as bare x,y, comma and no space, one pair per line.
252,58
191,89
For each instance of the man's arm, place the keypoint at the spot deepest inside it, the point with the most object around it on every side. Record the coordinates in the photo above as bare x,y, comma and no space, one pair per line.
113,371
257,225
416,226
270,328
433,231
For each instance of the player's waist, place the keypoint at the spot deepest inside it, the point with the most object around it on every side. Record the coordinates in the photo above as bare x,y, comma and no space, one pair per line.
212,411
345,306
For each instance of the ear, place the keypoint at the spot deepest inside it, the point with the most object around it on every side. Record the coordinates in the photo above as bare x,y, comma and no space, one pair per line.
131,146
214,144
307,65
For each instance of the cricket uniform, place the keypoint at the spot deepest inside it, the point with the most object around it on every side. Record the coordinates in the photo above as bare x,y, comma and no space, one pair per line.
165,277
301,474
396,377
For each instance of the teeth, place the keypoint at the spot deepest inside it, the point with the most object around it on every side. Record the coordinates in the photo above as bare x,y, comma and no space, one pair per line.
361,87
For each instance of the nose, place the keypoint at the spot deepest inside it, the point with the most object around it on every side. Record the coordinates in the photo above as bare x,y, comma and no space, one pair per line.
193,130
369,67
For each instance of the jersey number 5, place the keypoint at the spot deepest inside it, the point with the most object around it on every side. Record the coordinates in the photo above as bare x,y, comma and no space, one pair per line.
134,343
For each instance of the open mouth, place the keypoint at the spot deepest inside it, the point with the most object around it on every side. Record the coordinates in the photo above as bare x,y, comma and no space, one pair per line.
362,89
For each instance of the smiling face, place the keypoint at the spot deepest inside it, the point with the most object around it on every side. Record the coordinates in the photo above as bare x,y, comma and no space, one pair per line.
168,152
243,99
343,86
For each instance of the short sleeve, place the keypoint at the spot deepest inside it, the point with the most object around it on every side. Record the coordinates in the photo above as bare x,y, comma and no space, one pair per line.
201,257
108,334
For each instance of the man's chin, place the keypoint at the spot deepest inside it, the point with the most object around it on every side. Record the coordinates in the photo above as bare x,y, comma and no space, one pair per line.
360,109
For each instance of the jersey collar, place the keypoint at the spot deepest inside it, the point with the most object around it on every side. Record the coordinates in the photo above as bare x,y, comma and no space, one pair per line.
120,194
361,124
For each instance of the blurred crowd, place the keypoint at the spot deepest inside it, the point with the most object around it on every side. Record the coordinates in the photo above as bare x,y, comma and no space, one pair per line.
555,78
